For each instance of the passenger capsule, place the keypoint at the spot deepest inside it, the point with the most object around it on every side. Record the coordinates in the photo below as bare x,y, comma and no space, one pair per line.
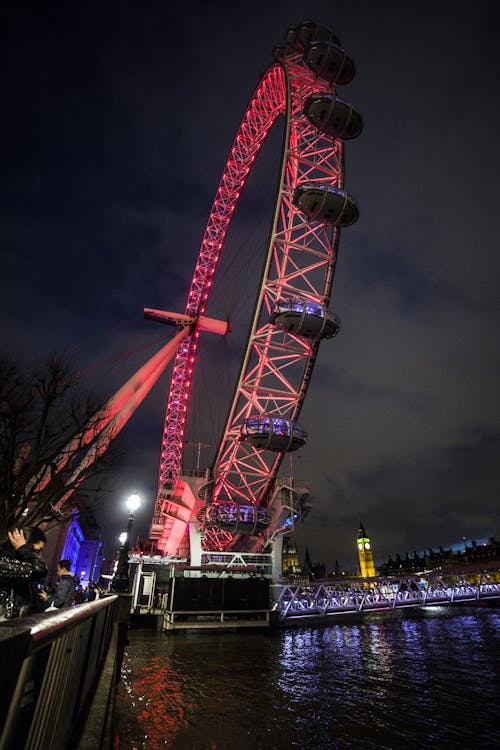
236,518
333,116
330,62
279,52
301,35
327,204
305,318
273,433
291,37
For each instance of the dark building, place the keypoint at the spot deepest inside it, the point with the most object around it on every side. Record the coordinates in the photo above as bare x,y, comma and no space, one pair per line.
457,556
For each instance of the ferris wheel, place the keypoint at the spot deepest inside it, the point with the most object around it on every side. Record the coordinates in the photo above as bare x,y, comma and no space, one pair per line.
291,315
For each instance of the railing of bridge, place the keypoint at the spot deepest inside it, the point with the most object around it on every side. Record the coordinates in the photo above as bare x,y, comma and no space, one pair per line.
293,601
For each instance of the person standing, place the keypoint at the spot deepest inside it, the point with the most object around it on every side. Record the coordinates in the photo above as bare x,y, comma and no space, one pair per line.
64,593
92,592
36,541
20,568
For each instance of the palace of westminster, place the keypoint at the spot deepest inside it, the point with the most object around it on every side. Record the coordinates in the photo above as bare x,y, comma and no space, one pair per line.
476,553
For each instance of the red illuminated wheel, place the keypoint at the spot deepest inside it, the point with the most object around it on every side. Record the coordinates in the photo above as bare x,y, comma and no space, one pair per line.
291,316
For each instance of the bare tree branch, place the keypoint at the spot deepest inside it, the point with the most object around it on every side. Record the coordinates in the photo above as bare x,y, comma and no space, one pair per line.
48,425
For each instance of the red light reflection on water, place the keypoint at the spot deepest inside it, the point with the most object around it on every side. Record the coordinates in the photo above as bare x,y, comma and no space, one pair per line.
153,705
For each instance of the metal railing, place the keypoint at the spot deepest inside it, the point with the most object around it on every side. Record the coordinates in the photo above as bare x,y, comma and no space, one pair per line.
50,667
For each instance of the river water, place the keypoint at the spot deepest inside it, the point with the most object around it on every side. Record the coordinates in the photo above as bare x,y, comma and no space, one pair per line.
398,681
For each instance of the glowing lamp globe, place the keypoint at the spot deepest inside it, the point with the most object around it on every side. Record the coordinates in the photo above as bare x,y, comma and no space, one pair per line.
133,502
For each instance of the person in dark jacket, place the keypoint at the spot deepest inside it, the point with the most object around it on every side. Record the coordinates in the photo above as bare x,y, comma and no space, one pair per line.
20,568
92,593
64,594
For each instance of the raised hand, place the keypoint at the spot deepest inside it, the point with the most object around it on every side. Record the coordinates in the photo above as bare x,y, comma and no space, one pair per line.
17,538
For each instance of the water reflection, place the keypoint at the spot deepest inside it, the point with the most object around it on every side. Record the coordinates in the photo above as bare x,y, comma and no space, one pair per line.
153,695
388,681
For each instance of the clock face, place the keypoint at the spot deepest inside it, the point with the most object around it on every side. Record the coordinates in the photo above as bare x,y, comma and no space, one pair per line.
360,546
367,545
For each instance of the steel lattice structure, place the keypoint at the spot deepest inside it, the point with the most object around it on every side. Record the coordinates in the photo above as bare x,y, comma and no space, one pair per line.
300,264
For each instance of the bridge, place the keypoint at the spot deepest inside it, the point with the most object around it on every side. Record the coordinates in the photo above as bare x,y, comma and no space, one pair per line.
306,601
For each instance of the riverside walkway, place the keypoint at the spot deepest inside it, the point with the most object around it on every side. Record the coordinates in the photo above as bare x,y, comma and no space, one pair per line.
59,674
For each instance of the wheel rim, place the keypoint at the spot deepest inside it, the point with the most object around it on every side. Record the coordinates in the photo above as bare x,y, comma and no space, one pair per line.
300,263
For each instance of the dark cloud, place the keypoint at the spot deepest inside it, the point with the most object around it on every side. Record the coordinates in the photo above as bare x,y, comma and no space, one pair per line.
118,119
416,503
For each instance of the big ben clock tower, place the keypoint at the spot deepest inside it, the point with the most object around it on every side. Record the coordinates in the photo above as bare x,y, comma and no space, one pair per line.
365,554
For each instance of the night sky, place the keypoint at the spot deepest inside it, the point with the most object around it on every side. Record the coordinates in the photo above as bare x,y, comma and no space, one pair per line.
117,120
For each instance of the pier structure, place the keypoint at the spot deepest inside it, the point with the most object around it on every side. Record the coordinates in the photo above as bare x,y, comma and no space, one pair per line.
237,590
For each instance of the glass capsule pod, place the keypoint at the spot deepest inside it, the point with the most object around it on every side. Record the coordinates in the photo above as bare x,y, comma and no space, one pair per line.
237,518
301,35
327,204
279,52
273,433
333,116
305,318
330,62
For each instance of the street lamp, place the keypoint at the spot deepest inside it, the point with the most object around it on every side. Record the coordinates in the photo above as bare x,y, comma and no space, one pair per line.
120,580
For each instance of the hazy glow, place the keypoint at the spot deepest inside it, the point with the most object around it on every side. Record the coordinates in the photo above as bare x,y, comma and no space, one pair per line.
133,502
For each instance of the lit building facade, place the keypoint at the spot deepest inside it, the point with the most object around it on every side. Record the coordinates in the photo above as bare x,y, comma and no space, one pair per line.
79,541
365,554
290,559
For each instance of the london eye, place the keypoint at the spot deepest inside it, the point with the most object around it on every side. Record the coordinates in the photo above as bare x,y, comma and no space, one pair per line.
233,503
